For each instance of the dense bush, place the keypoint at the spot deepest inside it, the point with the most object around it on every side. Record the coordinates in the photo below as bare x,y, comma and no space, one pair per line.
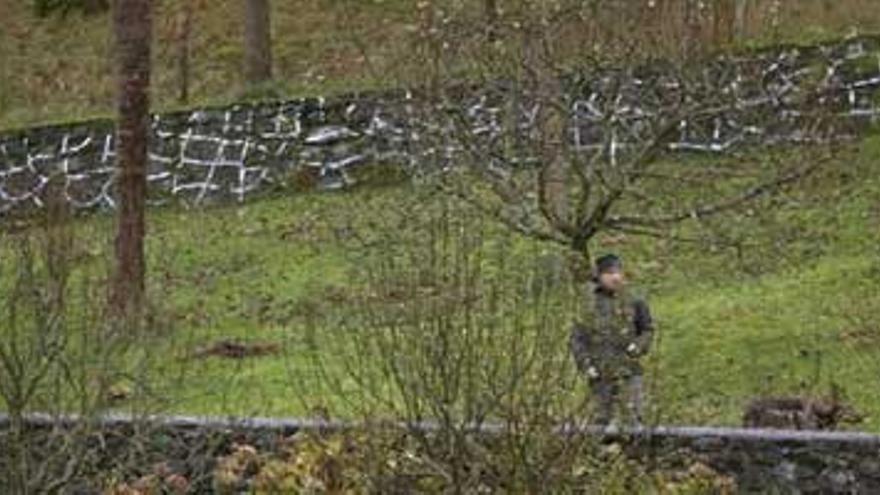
62,354
378,460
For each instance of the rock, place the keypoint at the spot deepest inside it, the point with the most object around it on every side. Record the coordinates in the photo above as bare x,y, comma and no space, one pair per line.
330,134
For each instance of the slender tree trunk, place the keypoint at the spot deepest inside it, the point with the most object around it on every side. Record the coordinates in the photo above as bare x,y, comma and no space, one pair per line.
724,18
690,36
185,35
740,17
257,42
5,54
132,25
491,12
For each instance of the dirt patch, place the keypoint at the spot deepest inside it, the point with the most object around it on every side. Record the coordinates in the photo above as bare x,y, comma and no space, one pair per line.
799,413
236,350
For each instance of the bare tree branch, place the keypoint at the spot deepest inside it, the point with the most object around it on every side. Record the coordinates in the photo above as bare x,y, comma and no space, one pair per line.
727,204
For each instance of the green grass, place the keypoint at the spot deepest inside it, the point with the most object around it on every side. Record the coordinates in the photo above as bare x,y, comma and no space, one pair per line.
60,69
774,336
795,310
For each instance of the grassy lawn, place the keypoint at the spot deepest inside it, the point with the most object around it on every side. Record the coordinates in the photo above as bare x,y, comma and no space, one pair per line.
795,309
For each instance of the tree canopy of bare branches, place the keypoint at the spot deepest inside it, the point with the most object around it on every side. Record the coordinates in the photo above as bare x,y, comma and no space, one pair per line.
563,141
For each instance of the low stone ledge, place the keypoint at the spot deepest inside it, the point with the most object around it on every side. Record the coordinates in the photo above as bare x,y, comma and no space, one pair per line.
786,461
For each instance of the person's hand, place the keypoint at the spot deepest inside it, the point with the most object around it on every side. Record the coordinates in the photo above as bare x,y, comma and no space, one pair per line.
592,372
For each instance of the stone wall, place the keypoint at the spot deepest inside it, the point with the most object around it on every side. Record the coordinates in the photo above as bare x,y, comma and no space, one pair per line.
234,152
778,461
761,461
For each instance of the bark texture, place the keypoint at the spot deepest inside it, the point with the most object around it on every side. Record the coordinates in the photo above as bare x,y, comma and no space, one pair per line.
132,25
257,42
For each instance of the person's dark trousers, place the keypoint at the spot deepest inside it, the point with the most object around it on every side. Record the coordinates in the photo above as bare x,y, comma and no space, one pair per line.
608,394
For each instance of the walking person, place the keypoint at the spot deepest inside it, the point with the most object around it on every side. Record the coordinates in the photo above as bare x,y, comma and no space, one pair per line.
610,341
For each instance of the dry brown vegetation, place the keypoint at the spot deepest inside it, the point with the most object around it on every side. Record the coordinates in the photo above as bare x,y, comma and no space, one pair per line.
60,68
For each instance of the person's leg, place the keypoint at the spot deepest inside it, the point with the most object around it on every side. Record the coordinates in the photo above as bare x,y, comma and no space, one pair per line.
635,398
605,393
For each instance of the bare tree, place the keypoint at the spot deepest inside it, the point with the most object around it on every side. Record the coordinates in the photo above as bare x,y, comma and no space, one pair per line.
132,23
49,359
257,41
184,40
564,149
5,57
437,336
64,363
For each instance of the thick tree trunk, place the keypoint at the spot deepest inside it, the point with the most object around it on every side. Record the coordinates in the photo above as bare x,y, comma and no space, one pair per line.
132,25
547,90
257,42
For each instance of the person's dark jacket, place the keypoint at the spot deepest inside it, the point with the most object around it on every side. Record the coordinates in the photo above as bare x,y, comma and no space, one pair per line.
617,330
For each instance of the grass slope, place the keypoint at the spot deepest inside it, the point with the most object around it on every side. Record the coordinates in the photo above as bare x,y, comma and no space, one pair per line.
793,312
795,309
60,69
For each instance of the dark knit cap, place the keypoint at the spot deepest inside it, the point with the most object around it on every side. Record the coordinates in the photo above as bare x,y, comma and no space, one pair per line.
608,263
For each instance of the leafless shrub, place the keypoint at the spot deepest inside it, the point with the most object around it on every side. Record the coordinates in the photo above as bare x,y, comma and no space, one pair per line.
562,143
64,363
462,329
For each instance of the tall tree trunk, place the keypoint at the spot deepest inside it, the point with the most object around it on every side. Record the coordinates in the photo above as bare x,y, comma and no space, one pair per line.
132,26
723,20
491,11
692,29
183,49
6,42
740,20
257,42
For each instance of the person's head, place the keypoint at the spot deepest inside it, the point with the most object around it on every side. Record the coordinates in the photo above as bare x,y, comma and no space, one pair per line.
609,272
